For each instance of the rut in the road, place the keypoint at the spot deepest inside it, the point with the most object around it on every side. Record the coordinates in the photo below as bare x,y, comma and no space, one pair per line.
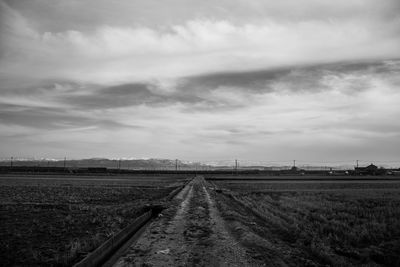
194,236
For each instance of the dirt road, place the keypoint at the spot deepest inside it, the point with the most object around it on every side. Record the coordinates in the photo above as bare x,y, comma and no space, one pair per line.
191,233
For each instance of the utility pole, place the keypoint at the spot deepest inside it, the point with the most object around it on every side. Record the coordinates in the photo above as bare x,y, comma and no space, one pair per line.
294,163
236,166
357,163
176,165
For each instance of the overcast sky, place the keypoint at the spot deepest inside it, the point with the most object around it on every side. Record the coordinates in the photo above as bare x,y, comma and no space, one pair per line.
258,80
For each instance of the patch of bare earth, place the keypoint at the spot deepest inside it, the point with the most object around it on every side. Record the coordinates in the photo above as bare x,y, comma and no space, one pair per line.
190,234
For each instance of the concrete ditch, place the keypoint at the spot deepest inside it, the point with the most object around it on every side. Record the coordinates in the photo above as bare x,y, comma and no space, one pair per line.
102,253
105,251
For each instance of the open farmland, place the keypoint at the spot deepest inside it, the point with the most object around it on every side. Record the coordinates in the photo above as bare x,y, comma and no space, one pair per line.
54,220
314,223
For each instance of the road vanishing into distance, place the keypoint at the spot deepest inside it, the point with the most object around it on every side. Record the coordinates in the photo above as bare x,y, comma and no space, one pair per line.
190,234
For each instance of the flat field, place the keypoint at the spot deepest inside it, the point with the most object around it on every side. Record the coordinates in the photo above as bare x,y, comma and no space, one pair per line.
315,222
54,220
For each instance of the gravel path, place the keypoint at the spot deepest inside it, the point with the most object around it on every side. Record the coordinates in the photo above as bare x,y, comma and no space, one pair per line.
190,233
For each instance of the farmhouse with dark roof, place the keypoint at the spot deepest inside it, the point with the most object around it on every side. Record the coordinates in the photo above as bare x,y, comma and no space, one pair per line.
369,170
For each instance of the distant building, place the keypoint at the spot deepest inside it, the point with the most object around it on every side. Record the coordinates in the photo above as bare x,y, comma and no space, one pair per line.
369,170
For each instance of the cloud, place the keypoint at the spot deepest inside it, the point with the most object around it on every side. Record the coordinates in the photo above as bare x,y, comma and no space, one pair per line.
78,15
127,95
346,78
53,119
122,54
257,80
211,92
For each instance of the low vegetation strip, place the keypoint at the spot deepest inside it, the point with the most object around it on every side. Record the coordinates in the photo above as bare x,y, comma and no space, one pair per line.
305,178
345,227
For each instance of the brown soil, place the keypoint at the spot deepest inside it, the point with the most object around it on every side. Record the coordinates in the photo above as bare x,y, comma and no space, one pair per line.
42,225
191,233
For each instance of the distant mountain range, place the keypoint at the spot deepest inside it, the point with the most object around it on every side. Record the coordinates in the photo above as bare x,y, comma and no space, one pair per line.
106,163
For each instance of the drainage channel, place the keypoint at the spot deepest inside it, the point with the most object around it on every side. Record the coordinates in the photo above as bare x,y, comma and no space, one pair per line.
111,250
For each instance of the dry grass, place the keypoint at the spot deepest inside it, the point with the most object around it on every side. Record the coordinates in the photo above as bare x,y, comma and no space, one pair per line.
341,227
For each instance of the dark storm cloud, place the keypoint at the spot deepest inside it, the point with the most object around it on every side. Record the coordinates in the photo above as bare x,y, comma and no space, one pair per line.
208,92
127,95
197,93
40,88
295,79
194,93
52,118
248,131
248,80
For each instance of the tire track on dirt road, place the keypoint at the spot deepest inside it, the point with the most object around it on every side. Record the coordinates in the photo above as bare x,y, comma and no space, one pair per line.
190,234
226,244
